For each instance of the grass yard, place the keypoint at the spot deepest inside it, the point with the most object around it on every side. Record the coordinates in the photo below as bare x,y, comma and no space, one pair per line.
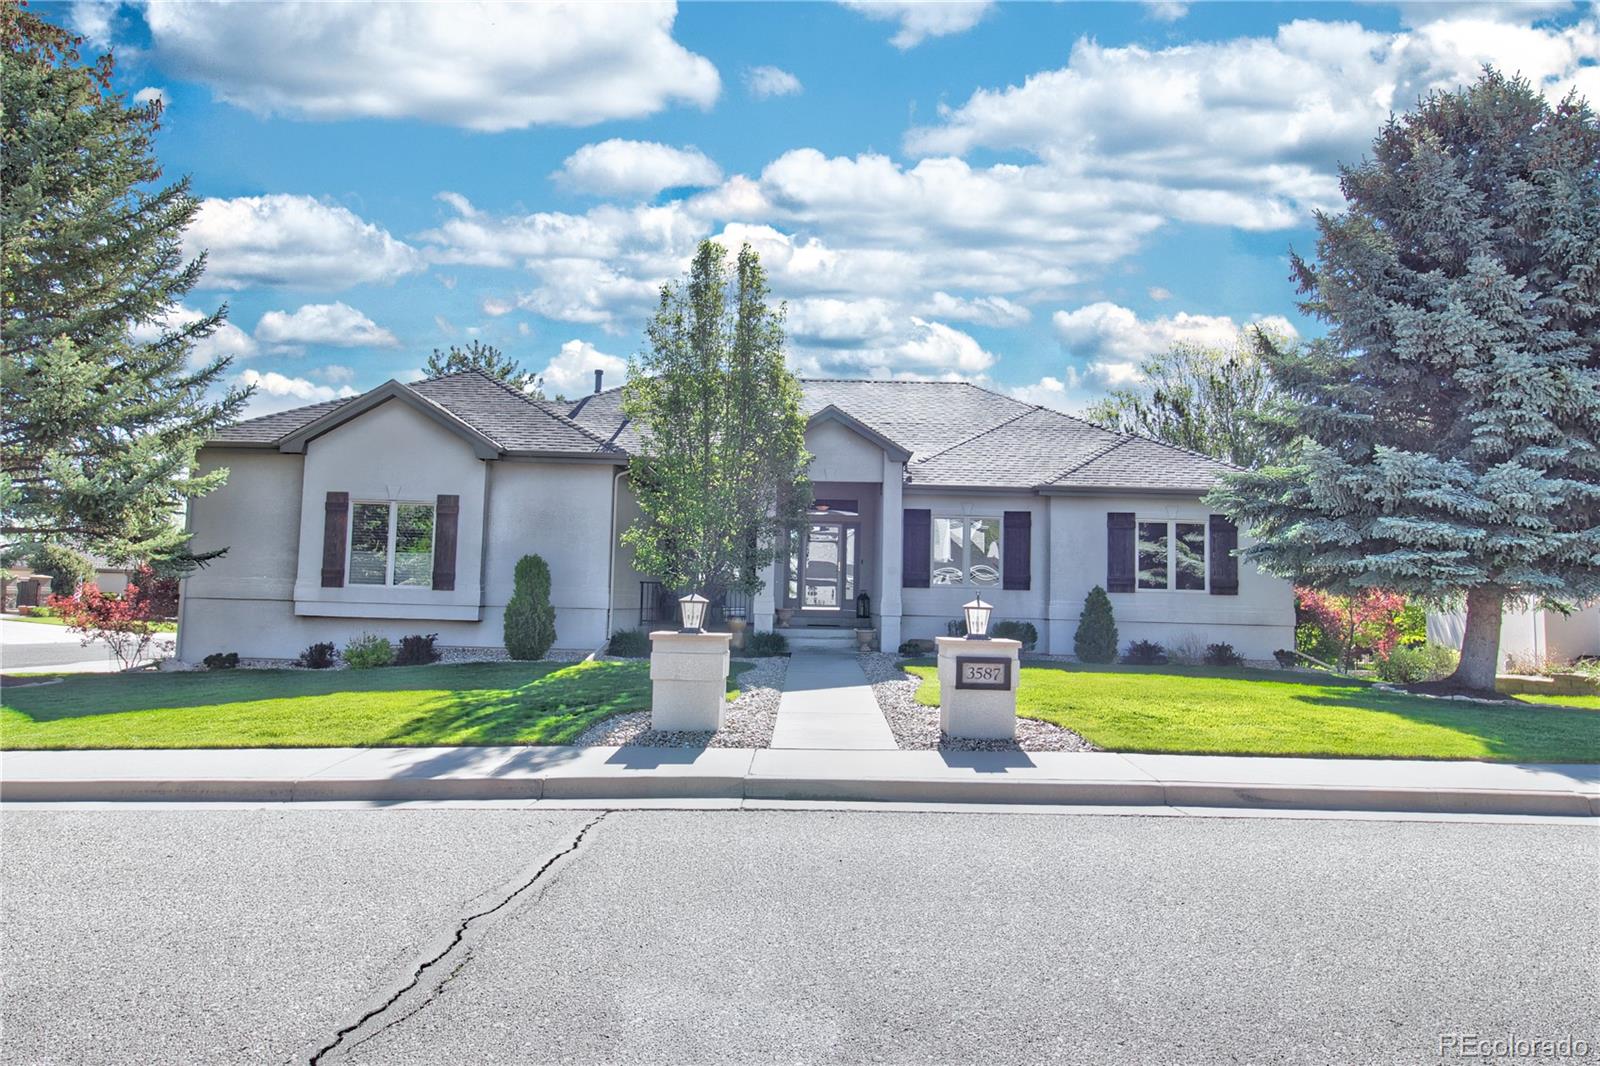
1248,712
397,706
52,620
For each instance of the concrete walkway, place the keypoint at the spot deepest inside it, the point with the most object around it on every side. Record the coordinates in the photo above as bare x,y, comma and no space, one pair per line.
1150,783
828,705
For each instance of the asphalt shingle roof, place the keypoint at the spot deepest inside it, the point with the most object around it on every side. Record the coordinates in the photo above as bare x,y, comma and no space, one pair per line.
959,435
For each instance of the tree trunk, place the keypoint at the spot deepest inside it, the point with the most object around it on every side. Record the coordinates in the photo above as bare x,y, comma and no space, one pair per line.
1480,644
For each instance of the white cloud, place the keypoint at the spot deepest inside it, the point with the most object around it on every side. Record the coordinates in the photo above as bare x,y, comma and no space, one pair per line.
484,66
335,374
982,310
1247,131
278,392
635,168
1165,10
1158,294
1046,392
495,306
1110,340
336,325
763,83
921,19
570,372
297,241
149,93
227,341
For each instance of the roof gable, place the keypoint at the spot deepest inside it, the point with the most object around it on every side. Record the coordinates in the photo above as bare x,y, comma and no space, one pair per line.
483,446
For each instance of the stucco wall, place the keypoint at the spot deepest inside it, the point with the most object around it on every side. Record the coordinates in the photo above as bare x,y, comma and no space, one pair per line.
1257,622
926,612
838,453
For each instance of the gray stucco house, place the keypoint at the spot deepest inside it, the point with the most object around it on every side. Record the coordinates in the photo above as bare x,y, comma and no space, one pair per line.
405,509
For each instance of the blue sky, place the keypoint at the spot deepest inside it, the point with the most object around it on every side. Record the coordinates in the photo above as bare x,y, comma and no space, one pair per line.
1027,195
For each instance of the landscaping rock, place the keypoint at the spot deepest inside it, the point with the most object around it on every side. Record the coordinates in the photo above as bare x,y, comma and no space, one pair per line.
747,723
916,728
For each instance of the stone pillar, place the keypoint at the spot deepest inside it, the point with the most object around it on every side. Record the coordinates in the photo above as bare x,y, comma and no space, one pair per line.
763,605
978,697
890,530
688,681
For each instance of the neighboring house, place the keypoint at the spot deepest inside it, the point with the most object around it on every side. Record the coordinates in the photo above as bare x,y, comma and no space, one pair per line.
406,509
1529,638
21,587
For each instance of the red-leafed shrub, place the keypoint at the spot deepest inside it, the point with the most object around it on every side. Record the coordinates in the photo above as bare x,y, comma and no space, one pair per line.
1343,629
123,624
160,594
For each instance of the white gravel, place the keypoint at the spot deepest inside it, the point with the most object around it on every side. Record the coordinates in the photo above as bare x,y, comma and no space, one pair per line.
748,722
916,727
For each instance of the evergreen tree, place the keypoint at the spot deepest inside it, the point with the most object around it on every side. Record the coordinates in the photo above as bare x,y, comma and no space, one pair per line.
1444,439
721,475
530,622
1096,638
487,358
1202,397
105,406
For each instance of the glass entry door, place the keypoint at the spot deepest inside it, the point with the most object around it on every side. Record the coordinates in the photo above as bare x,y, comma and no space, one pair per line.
828,567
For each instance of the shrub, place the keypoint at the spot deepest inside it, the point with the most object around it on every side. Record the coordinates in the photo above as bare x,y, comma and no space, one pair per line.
159,594
38,612
769,642
66,569
1189,649
1222,655
956,627
123,625
1352,627
633,644
916,646
1287,658
1410,665
1022,631
221,660
318,656
417,650
367,651
530,626
1145,653
1096,638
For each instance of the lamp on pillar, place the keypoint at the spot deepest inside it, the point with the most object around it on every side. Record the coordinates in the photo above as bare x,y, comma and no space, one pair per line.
693,610
977,613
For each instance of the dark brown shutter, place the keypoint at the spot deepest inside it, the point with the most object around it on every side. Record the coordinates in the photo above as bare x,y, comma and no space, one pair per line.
1119,551
1016,541
447,511
916,549
1224,564
335,530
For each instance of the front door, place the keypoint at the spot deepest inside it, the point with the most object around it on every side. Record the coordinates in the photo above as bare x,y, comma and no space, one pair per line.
828,566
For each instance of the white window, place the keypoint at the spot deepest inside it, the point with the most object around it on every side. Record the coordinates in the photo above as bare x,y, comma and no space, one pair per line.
391,544
1171,555
966,551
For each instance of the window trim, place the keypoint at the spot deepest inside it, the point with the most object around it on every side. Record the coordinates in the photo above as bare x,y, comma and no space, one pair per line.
1172,525
966,521
389,544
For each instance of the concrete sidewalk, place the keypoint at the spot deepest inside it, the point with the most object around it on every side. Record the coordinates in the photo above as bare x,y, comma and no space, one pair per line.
632,773
827,705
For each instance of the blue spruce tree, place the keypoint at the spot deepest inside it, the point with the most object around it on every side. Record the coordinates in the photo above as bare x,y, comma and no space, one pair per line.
1443,440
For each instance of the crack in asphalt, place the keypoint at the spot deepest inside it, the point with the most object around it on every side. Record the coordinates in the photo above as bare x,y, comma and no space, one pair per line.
455,942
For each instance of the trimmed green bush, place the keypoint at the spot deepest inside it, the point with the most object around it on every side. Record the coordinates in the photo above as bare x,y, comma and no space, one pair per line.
1411,665
1096,638
368,651
418,650
317,656
530,627
1021,631
761,644
1222,655
221,661
917,646
630,644
1145,653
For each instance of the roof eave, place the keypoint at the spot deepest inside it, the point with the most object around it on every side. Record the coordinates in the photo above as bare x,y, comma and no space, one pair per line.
482,446
1123,490
833,413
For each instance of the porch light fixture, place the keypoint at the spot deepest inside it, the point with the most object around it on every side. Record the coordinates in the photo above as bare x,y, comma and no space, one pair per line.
977,613
693,609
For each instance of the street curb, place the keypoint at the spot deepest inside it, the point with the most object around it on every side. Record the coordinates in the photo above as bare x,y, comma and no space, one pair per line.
751,786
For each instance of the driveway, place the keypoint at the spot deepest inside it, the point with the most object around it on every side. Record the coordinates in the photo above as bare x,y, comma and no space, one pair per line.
34,646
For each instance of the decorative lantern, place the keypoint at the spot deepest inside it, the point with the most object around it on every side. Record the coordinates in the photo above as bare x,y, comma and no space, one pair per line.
864,607
977,613
693,609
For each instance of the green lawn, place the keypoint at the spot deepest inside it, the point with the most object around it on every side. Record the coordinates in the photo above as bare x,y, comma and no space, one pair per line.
1248,712
401,706
52,620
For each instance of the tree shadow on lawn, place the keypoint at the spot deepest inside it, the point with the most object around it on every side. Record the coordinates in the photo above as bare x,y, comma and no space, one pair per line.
1510,732
554,709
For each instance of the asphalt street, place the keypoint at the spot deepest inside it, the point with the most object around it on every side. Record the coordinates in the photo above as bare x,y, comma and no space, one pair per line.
38,646
444,935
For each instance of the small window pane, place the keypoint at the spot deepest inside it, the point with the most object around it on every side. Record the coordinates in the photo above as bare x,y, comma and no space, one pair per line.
984,553
369,544
1191,547
1152,555
948,550
413,545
